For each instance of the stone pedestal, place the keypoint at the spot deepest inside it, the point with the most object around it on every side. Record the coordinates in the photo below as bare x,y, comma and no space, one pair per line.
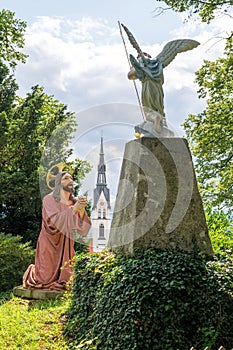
158,203
22,292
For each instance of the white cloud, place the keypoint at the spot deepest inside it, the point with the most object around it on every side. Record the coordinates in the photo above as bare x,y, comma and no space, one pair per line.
211,36
73,60
84,65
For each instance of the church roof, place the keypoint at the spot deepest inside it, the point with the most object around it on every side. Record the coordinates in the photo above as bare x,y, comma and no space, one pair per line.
97,193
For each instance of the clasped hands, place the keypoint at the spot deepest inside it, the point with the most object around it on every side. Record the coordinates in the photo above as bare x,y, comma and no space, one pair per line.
80,205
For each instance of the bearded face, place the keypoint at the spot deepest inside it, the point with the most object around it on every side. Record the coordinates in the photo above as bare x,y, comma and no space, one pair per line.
68,188
67,183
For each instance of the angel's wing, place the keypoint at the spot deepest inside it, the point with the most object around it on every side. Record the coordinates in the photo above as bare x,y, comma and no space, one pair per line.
172,48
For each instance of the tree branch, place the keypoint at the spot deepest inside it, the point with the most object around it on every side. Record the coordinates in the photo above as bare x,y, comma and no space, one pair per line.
225,161
214,4
160,10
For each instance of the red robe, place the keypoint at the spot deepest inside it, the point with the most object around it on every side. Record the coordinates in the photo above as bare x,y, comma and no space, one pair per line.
55,246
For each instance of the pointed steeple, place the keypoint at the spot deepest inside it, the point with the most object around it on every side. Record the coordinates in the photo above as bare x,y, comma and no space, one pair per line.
101,184
101,177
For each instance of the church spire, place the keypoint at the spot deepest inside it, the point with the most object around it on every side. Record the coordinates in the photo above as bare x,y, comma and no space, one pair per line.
101,185
101,177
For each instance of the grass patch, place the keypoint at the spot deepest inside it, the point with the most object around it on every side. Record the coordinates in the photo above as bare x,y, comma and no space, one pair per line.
31,324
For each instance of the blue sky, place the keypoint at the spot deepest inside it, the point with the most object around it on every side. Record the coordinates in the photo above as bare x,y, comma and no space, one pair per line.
76,53
140,14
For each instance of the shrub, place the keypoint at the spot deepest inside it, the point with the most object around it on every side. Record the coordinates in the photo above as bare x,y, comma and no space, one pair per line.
15,257
220,226
152,300
80,245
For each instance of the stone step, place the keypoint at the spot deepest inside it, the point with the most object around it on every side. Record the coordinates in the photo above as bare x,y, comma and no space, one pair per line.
22,292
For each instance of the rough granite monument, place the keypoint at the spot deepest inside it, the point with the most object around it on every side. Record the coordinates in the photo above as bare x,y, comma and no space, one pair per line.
158,203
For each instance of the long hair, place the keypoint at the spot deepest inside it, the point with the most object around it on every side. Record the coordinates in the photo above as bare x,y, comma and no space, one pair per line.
58,187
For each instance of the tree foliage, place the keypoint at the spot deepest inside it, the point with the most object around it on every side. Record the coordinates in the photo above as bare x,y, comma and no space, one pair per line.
11,38
31,123
211,132
15,257
207,9
36,134
8,88
220,227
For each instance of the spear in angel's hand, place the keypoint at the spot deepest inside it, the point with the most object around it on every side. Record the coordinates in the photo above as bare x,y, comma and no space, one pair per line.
135,43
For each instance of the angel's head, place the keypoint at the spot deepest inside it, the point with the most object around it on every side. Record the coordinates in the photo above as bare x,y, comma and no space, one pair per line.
145,54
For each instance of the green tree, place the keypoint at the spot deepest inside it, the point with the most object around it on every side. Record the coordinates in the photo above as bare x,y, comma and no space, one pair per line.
211,132
34,124
207,9
8,88
11,38
36,134
11,41
220,227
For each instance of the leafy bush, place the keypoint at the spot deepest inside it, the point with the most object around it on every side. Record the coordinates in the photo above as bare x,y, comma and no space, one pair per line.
220,226
80,245
152,300
15,257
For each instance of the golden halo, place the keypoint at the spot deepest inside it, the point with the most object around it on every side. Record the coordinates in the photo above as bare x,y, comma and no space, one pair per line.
53,171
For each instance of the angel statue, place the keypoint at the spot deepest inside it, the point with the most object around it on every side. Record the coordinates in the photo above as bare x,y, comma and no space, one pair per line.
150,72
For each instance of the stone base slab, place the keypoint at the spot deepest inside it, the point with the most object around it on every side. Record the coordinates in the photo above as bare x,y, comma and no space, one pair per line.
22,292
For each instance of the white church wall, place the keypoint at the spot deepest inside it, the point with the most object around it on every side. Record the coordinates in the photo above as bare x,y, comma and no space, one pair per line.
101,222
